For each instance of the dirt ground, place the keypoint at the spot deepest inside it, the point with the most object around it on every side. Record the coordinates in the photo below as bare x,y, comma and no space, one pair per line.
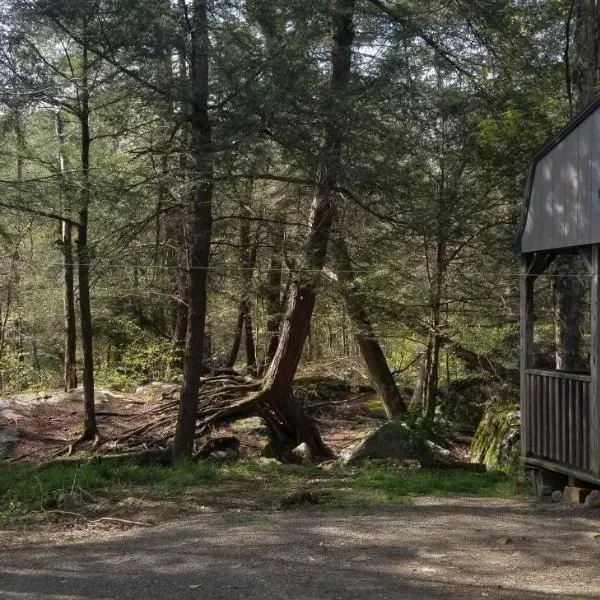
47,423
429,549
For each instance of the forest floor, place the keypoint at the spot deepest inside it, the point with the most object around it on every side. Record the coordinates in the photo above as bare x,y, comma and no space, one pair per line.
45,423
254,527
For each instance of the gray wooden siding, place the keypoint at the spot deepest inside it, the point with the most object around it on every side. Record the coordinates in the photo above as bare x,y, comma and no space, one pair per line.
564,202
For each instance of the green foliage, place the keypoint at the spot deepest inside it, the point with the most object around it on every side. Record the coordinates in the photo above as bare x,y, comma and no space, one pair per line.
18,374
132,356
27,488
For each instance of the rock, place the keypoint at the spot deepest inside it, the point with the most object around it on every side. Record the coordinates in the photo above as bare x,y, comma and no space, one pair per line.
575,495
8,436
593,499
66,501
395,440
302,454
557,496
223,455
220,448
497,439
298,499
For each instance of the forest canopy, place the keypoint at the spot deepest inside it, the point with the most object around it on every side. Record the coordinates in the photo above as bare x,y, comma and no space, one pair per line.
250,187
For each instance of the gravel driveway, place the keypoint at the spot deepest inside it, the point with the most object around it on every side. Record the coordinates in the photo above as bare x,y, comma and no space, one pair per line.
430,549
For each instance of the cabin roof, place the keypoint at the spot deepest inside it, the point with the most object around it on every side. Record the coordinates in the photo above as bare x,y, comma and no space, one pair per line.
548,147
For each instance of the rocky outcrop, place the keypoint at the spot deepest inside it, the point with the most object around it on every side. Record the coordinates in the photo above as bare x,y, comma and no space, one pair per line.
497,439
396,440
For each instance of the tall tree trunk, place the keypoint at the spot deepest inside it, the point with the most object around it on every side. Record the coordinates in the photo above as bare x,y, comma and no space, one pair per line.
237,335
178,229
433,371
90,427
246,261
66,238
370,348
301,301
273,289
200,202
249,342
70,366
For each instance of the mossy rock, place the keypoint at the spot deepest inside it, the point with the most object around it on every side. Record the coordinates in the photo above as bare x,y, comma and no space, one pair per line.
497,441
465,402
396,440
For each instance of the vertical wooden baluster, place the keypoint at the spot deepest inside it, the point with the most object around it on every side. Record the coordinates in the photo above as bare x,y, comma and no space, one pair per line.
578,440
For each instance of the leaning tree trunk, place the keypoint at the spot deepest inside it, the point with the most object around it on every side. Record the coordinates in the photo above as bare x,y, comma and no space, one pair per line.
277,382
90,427
200,203
370,348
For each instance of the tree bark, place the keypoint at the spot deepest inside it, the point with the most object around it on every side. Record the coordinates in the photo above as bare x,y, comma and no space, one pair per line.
200,203
90,427
237,335
70,370
66,238
273,290
246,261
301,301
368,344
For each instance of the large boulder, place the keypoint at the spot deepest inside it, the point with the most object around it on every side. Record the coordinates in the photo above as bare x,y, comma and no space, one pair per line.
497,439
395,440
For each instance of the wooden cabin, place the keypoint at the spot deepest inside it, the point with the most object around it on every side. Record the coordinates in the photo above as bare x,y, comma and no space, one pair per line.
560,411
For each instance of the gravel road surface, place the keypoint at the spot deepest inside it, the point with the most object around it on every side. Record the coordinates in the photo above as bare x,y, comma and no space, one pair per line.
429,549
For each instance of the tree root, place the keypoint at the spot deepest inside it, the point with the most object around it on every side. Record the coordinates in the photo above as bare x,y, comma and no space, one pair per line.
68,513
221,399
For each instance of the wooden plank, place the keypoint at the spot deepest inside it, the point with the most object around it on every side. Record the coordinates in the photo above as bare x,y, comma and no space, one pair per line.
556,429
586,429
546,415
541,213
571,167
559,170
565,422
539,416
563,469
571,427
529,411
594,412
584,189
526,341
578,419
559,375
595,180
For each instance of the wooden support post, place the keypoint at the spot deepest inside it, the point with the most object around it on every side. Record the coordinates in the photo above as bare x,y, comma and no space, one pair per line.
526,310
594,445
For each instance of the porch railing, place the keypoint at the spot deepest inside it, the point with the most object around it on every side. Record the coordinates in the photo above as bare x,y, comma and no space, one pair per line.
557,423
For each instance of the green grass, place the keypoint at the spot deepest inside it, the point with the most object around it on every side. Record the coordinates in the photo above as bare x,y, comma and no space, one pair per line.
26,488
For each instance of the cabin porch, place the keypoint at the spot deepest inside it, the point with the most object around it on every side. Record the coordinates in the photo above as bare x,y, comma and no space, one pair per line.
560,411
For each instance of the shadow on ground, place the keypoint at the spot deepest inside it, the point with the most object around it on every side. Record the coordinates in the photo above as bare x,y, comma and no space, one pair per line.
433,549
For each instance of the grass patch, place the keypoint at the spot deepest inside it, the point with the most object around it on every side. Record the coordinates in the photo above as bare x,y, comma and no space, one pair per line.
373,406
26,488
